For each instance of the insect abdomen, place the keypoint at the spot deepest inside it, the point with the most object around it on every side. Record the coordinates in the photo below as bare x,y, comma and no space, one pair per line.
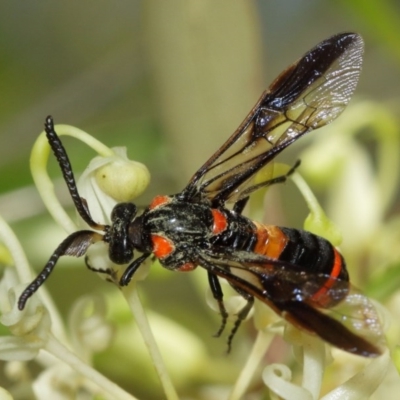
307,251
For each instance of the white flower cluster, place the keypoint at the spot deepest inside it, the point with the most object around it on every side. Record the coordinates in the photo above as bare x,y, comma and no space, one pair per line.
37,331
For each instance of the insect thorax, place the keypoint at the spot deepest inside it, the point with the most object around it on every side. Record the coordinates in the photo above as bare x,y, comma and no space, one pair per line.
181,222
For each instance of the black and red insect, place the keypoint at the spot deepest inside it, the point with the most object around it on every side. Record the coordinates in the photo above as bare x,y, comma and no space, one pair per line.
298,274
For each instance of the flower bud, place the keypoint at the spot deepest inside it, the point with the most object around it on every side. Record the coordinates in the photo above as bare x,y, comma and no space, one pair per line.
122,179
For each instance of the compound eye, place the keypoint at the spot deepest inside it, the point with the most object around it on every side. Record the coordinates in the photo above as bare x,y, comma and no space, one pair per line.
121,248
123,211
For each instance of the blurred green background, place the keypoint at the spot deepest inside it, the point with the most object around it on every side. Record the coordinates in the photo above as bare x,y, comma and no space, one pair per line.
169,80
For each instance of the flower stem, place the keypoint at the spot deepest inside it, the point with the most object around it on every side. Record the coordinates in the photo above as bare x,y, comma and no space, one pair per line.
313,364
133,300
260,346
316,222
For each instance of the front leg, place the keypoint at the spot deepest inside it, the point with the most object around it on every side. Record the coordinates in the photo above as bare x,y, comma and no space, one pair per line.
112,274
132,268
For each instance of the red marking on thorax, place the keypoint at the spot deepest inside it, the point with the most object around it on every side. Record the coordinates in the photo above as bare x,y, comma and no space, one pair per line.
162,247
159,201
321,296
187,267
220,222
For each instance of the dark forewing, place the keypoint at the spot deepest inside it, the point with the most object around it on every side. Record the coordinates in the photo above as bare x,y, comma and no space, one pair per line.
309,94
341,315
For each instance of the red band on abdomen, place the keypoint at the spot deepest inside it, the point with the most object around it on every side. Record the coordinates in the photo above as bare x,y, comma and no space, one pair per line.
321,296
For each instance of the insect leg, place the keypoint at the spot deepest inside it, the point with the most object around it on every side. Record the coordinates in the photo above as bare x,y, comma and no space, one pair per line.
131,269
98,270
240,205
112,274
278,179
216,290
241,316
212,271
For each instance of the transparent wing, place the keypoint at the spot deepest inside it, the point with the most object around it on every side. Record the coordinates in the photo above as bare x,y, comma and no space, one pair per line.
309,94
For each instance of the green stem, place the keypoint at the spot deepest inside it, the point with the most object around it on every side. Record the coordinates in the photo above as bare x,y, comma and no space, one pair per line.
260,346
133,300
313,364
316,222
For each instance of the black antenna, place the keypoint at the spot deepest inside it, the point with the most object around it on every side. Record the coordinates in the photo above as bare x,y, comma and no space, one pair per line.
77,243
66,169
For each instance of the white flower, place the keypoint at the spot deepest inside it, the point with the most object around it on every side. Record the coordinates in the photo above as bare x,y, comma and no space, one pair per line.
90,330
30,327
